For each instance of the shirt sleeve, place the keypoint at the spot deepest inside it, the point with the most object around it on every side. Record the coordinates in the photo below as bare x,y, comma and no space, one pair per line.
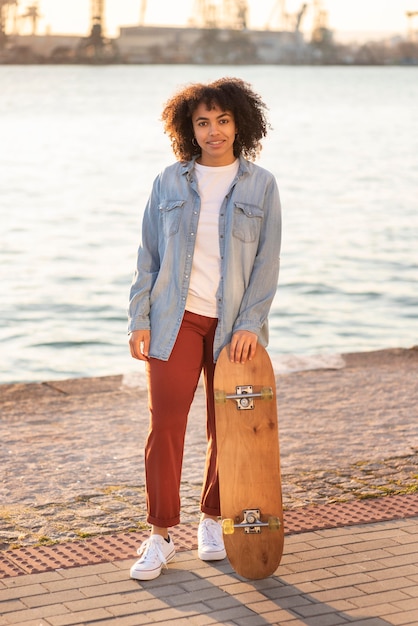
147,266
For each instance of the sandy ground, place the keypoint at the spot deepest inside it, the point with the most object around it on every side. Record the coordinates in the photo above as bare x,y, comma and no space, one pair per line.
72,460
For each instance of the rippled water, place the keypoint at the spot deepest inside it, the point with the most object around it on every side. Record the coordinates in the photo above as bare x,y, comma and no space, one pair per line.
80,146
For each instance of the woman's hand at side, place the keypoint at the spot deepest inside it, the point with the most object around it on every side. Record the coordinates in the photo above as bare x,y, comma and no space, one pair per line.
139,341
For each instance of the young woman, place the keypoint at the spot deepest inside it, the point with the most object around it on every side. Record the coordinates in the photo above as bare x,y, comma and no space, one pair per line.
206,275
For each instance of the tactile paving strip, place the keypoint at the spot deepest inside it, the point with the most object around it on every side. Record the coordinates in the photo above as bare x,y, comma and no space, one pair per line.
106,548
350,513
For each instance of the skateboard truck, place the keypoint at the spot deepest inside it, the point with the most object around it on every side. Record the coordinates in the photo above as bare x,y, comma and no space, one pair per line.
244,396
251,523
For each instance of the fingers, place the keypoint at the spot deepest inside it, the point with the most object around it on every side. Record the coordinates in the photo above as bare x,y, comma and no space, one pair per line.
139,342
243,346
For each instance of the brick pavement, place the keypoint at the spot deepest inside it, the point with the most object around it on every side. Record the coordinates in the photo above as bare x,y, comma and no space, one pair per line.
363,575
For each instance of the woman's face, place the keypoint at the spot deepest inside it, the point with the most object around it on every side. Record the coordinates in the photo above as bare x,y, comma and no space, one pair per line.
215,132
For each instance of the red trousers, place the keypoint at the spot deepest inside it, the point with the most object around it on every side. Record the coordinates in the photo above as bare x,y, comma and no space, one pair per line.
171,388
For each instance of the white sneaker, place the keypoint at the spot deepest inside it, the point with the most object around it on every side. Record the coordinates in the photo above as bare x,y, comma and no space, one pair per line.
155,553
210,541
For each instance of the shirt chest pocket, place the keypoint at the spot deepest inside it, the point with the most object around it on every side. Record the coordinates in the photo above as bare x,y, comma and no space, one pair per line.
246,221
170,216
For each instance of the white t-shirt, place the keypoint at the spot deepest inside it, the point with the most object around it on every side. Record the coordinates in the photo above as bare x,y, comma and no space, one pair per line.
213,185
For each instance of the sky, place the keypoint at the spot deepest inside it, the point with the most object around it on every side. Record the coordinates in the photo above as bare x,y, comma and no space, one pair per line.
344,16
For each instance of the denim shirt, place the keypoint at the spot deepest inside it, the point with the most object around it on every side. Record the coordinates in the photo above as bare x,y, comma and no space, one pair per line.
249,241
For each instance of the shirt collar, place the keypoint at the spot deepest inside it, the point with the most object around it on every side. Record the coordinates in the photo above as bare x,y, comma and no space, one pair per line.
188,166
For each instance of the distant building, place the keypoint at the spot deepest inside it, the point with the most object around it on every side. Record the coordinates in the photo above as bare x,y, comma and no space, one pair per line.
40,48
163,44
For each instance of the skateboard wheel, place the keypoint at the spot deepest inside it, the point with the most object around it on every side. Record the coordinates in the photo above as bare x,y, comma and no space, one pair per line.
220,396
266,393
228,526
274,523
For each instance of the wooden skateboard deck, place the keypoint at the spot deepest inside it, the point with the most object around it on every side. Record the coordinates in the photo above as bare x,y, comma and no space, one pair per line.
249,464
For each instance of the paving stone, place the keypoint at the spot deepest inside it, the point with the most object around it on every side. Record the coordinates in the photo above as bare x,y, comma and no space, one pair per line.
214,594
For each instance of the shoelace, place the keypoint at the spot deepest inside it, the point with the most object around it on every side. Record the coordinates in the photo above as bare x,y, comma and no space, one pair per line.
150,549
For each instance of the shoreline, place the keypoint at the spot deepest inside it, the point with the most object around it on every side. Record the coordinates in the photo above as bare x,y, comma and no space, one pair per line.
282,364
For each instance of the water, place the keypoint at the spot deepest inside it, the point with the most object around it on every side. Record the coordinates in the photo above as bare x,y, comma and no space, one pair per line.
80,146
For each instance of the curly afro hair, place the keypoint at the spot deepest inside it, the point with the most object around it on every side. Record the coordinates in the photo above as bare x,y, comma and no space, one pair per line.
229,94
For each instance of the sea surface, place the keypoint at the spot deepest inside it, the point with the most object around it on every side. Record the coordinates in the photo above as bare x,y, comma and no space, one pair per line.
80,147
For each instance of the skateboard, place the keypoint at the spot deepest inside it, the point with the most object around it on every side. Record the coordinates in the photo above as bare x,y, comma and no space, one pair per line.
249,464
